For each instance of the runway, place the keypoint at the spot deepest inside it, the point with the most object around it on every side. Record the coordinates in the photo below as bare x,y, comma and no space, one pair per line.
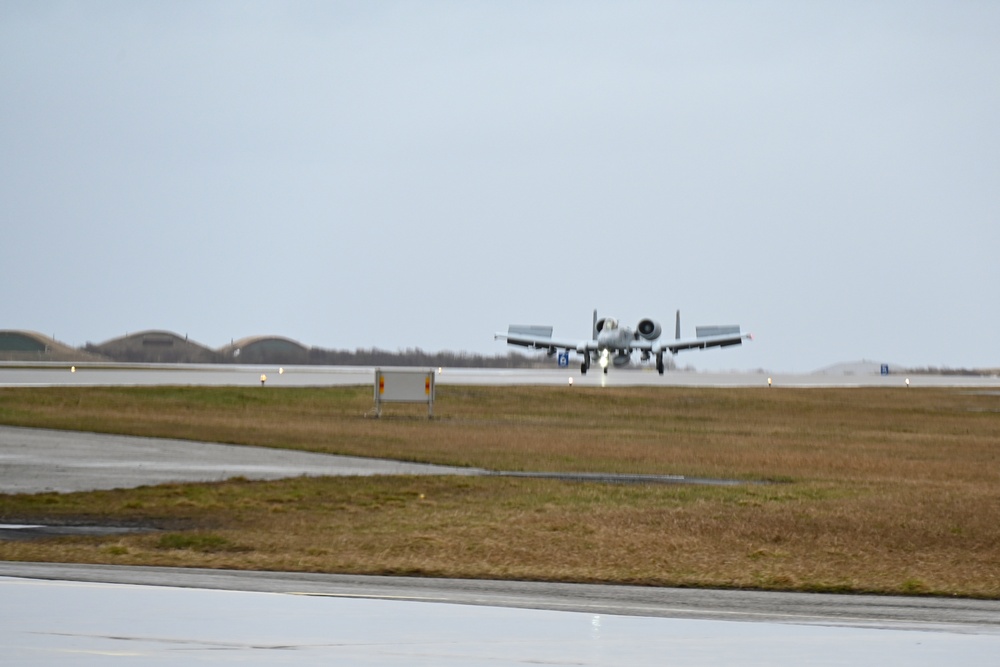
48,375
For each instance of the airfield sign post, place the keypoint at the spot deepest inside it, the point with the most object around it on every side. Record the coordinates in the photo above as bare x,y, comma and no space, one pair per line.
404,386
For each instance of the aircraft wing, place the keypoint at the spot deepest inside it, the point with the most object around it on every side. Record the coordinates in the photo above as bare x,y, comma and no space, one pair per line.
706,337
702,343
711,336
540,338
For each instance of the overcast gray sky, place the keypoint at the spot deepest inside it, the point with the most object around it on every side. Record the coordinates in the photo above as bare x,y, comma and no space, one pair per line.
422,174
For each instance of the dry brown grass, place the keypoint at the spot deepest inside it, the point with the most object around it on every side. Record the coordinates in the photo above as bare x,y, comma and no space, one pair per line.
886,490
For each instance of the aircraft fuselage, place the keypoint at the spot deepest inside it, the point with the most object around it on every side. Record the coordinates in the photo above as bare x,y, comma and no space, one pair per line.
617,338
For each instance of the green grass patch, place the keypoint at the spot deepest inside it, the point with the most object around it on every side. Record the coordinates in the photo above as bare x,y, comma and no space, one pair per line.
199,542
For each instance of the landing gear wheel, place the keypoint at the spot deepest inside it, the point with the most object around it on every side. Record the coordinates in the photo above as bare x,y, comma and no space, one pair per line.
583,368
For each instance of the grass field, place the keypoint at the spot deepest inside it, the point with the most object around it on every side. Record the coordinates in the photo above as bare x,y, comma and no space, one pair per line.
873,490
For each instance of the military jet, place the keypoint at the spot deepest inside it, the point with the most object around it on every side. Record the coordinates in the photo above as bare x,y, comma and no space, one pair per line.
612,343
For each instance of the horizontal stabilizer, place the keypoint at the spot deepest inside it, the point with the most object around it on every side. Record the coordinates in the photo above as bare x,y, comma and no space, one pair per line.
529,330
724,330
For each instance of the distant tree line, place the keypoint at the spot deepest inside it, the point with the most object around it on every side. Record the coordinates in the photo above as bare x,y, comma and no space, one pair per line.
968,372
376,357
184,354
416,357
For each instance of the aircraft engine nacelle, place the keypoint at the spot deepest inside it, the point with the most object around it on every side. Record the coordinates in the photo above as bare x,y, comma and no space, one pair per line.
599,325
649,329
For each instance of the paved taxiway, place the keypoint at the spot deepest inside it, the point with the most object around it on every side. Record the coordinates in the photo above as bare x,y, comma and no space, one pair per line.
95,614
870,611
38,460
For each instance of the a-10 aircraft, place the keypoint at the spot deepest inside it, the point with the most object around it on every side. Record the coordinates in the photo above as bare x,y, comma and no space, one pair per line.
610,338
